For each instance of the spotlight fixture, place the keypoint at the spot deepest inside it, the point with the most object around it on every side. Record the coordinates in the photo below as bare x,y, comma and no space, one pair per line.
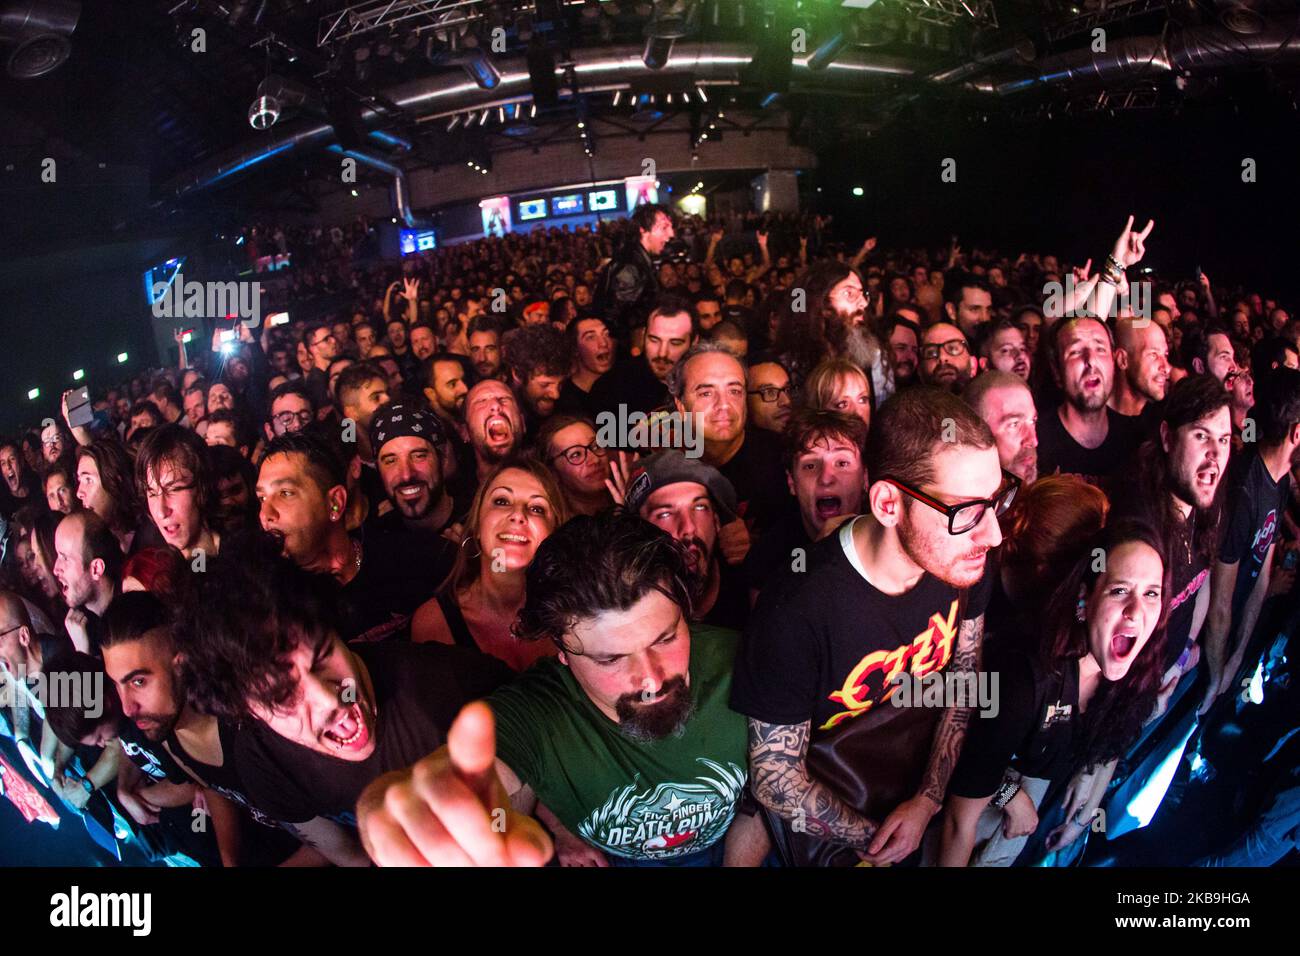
455,121
618,96
501,114
703,97
483,116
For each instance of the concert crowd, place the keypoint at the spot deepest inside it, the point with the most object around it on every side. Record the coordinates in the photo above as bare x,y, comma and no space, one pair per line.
674,542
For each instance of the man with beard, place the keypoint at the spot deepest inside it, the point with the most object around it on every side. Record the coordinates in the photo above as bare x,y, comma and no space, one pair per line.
485,346
322,348
1176,492
176,748
824,317
767,384
1004,349
902,336
946,358
637,384
260,650
539,360
408,541
968,304
1141,370
1259,488
709,384
1006,404
495,426
914,567
625,737
1084,436
691,501
825,473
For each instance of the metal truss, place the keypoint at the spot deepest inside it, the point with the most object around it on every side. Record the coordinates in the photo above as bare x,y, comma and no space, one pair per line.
946,13
1107,13
417,16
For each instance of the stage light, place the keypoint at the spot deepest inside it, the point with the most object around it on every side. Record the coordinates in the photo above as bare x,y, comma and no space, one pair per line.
455,121
501,114
354,194
618,96
857,190
78,375
532,111
581,124
483,116
33,394
700,90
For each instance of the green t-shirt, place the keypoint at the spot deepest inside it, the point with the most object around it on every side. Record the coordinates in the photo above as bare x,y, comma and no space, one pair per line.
643,800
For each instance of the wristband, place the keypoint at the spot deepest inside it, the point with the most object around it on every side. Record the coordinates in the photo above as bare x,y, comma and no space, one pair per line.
1004,795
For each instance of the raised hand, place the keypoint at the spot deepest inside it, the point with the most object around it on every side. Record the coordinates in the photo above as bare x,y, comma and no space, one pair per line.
450,809
1082,273
620,470
410,289
1131,246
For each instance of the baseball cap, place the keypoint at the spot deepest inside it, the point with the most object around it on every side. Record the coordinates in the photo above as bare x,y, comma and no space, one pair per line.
671,466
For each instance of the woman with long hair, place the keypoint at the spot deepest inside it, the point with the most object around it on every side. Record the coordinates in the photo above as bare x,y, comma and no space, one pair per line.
568,446
516,508
1075,701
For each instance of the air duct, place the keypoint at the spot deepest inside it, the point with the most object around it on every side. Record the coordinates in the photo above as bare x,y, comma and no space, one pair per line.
275,94
1199,49
40,33
401,193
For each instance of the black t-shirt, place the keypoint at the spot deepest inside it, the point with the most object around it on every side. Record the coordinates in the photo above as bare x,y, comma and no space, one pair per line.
758,475
400,570
574,401
1255,506
1058,452
419,689
731,609
630,383
824,644
151,758
223,779
774,555
1033,729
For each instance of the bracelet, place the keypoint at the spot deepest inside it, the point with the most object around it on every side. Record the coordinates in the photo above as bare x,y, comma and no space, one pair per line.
1113,263
1075,820
1004,795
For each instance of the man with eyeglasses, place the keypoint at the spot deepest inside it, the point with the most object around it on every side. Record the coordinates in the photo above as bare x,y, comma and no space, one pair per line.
767,384
900,590
946,359
322,348
292,409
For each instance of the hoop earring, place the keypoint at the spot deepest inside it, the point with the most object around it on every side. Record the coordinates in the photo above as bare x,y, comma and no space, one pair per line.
478,547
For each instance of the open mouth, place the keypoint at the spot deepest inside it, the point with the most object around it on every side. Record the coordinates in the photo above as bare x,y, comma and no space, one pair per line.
410,491
511,538
828,506
1208,477
499,429
1122,644
349,733
1092,382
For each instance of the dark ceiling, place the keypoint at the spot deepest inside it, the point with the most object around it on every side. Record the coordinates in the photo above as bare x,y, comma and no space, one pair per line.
135,106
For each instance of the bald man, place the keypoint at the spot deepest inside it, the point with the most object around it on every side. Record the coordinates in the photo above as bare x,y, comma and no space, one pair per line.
1006,404
88,566
1141,366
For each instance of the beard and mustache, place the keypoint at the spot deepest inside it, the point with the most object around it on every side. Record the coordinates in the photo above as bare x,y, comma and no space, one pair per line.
663,718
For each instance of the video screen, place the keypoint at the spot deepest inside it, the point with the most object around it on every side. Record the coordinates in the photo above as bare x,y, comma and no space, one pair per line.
532,209
566,205
160,277
603,200
417,240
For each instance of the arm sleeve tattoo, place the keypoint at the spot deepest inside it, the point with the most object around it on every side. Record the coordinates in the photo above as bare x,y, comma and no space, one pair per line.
781,783
950,733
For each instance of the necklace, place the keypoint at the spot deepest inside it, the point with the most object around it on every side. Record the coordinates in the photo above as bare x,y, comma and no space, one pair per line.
356,556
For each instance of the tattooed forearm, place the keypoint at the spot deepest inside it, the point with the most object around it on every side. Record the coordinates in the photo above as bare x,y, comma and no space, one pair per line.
781,783
950,733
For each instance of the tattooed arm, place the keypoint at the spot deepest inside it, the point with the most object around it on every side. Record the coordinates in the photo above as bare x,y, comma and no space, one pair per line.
952,728
902,830
781,783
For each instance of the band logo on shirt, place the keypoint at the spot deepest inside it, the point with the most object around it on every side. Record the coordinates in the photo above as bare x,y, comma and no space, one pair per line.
872,681
1264,536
